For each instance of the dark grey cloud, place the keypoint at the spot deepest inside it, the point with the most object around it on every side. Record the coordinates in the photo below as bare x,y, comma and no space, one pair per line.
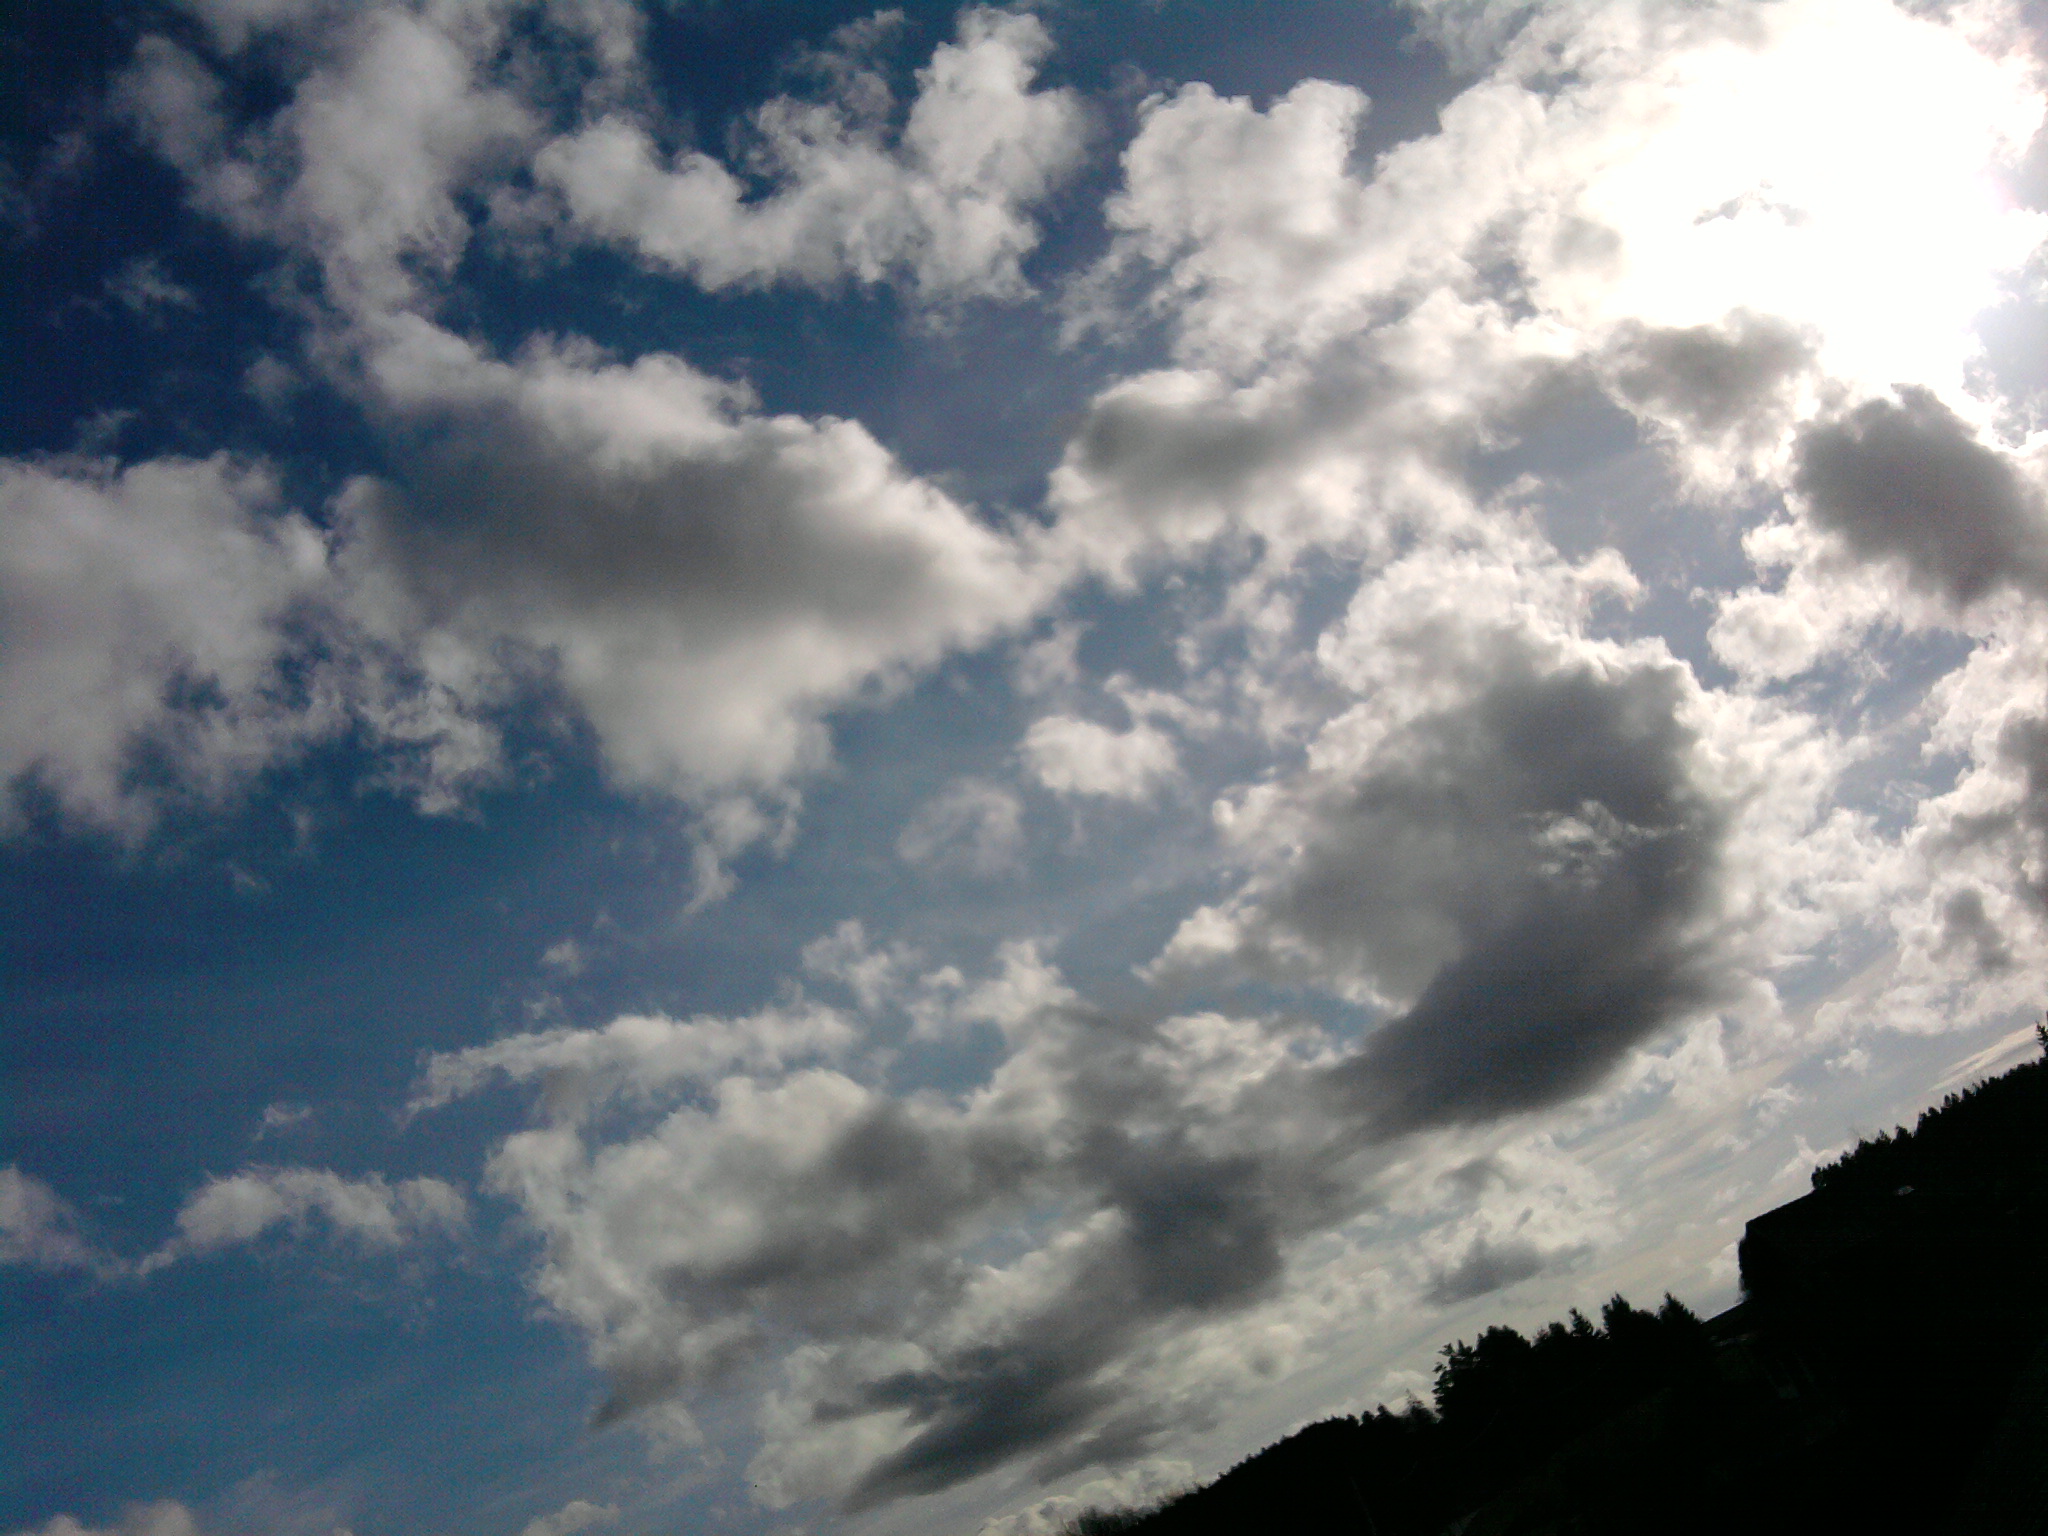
1546,857
1715,381
743,1224
1965,925
1197,1235
1908,480
1486,1268
2023,745
2018,825
1577,859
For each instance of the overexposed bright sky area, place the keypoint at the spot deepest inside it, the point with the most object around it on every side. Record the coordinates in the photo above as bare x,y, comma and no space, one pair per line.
776,768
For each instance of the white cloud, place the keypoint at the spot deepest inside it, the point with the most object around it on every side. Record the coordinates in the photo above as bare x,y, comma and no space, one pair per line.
1525,845
1701,179
1532,1208
640,1054
1530,849
576,1515
1079,757
1160,1172
39,1229
145,616
357,175
241,1207
1134,1487
944,207
167,1517
704,580
1253,220
399,110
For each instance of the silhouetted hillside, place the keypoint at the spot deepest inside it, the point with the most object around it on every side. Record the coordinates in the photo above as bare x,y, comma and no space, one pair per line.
1885,1372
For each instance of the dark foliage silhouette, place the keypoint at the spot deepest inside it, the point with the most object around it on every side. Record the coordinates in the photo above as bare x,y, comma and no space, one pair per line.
1885,1372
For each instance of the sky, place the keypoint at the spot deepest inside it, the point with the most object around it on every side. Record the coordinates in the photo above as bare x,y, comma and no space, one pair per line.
783,768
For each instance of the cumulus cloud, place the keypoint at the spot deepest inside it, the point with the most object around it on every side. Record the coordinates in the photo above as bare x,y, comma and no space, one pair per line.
1080,757
1186,1157
146,615
1050,1267
40,1229
705,579
1517,845
358,174
1722,395
1971,906
747,1208
241,1207
1532,1208
398,111
1631,190
1521,847
943,205
1510,843
1709,378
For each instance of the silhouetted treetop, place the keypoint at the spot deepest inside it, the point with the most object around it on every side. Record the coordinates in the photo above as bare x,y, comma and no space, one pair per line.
1999,1128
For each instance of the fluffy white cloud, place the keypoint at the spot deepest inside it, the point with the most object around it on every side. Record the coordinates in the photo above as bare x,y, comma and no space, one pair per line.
1080,757
945,206
1045,1267
1676,209
703,580
243,1206
1535,851
358,174
1531,1208
145,616
1544,857
397,111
